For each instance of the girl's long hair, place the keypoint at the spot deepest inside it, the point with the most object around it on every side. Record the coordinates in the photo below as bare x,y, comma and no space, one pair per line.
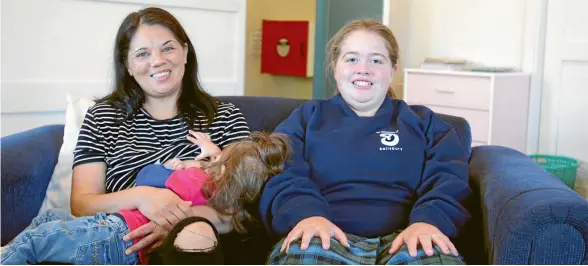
247,164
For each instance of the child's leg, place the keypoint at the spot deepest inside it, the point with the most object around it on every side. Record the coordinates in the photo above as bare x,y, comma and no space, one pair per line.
48,216
85,240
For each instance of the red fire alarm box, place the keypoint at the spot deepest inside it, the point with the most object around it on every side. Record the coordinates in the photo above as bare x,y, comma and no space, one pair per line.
287,48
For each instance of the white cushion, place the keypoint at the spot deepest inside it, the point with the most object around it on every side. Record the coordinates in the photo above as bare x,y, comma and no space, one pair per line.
59,189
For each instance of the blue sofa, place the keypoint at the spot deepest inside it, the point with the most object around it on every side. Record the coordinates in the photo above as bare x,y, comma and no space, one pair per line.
520,213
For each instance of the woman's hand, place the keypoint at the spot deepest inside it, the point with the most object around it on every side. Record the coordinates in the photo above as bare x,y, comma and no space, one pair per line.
311,227
162,206
154,236
155,232
427,235
207,148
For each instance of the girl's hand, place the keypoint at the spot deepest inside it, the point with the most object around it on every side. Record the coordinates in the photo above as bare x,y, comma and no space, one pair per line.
175,164
311,227
427,235
207,148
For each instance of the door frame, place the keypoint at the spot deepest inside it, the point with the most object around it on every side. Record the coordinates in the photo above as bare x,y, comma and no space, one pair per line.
319,79
535,29
553,81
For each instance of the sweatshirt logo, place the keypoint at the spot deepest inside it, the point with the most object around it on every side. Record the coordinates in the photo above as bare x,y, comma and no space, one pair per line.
390,140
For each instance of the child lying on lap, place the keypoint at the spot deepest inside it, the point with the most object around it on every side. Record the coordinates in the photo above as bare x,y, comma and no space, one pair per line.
228,182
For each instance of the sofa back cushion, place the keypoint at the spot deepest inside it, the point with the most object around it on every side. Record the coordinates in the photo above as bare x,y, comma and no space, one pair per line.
59,188
265,113
261,113
462,128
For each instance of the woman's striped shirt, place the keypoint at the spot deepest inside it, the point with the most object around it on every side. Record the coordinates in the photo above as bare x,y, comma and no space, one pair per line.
141,140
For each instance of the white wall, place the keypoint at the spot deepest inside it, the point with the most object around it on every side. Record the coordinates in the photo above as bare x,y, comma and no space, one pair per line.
504,33
484,32
487,32
57,46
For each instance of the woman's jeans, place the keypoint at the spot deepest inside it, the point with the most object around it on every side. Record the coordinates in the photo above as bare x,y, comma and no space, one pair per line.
56,236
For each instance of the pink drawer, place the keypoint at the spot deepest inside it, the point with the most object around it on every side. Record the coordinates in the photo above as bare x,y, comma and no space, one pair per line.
479,120
449,90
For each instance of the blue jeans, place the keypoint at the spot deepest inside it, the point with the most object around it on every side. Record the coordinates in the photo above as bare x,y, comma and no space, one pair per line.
56,236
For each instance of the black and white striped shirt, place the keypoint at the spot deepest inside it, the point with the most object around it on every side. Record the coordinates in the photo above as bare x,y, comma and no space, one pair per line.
128,146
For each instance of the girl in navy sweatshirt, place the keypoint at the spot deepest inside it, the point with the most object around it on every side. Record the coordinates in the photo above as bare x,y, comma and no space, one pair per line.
372,180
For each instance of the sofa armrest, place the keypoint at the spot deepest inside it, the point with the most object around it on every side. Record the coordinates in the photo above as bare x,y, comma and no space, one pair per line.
28,159
529,215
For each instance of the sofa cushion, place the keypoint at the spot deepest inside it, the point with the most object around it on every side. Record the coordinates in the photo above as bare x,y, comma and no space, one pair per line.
263,113
462,128
59,189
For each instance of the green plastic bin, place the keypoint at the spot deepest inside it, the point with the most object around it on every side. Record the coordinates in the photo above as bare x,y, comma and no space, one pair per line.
562,167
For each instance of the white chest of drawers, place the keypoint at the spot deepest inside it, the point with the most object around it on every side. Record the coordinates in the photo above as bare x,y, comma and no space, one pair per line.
496,105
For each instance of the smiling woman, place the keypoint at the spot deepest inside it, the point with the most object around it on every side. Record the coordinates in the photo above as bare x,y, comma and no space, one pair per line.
152,53
157,60
156,103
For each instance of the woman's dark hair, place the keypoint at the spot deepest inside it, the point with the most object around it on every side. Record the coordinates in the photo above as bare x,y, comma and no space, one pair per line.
128,96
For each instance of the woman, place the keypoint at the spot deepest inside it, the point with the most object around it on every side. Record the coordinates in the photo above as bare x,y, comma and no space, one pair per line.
371,178
157,98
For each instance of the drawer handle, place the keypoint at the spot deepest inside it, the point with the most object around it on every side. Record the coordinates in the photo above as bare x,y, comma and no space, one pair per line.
446,91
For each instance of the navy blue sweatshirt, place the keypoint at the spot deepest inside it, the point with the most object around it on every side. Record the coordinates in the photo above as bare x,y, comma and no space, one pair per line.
370,176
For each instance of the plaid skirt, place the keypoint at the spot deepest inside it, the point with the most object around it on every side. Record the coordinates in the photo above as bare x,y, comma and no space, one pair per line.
369,251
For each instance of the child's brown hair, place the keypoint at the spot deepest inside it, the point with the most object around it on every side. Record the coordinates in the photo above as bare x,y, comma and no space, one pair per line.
247,165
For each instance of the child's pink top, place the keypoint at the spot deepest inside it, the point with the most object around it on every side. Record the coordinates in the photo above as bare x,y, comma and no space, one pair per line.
186,183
